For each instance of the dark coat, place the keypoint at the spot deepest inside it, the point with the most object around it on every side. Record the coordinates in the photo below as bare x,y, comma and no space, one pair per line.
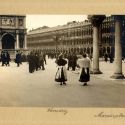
18,58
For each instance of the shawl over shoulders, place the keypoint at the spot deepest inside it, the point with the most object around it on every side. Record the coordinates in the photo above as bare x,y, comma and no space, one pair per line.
61,62
84,62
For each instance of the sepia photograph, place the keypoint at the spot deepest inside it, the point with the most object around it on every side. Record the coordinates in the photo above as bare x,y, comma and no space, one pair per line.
62,60
64,66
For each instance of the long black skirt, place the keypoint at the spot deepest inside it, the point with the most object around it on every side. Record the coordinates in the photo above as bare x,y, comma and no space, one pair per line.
84,75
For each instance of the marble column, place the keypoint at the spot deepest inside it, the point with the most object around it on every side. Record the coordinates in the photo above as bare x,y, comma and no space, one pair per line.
25,42
96,21
96,69
118,49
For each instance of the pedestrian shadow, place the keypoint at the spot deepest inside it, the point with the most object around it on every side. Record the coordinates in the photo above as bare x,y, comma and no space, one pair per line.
62,86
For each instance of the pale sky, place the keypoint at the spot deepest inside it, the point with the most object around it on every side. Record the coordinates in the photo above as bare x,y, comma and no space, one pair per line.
35,21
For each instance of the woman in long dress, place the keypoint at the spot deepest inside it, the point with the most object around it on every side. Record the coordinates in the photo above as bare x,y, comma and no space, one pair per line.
84,64
61,75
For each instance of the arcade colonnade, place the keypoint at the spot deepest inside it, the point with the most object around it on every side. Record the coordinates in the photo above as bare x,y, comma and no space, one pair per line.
75,37
96,21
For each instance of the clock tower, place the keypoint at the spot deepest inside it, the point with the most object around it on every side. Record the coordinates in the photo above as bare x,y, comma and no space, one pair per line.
13,32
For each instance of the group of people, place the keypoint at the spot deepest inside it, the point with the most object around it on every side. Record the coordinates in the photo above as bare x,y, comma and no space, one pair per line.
110,56
72,61
36,61
5,58
83,62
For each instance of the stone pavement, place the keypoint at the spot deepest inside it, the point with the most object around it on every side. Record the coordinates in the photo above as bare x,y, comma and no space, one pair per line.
21,89
107,70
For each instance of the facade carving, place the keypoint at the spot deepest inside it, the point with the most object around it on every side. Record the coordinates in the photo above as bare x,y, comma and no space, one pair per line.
12,32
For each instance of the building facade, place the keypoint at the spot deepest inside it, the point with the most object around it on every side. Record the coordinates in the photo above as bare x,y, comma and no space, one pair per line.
12,32
75,37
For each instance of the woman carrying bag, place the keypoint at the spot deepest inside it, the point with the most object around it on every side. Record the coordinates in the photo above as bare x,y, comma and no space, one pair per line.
61,74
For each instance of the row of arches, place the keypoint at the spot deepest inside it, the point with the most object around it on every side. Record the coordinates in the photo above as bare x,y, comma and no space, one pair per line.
88,50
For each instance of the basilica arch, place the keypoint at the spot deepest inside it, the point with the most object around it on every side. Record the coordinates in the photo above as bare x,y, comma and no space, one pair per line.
13,32
8,41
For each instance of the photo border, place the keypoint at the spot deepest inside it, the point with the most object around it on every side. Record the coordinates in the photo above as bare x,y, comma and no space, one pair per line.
74,116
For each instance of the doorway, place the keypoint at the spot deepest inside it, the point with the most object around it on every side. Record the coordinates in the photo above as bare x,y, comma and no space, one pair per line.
8,41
